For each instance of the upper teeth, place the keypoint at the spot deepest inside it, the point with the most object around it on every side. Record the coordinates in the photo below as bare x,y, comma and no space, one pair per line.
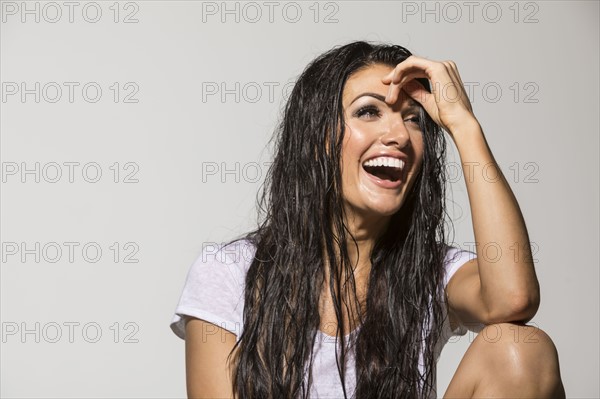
385,161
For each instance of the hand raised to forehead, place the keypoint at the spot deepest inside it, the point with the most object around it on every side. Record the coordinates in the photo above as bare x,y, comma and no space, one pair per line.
447,103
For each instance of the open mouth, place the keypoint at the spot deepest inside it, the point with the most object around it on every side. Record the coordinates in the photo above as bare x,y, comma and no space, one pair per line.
385,168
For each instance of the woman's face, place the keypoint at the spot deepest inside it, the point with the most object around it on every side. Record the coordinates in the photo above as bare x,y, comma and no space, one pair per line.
383,145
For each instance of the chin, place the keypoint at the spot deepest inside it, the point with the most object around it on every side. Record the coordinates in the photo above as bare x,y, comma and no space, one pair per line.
385,209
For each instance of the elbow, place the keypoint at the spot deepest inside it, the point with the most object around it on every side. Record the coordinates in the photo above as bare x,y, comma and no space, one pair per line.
524,307
517,307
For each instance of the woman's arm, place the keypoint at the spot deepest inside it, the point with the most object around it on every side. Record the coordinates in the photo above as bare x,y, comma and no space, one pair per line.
501,284
491,288
206,349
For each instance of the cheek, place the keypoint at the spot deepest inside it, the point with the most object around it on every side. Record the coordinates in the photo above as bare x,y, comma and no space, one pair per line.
355,143
418,146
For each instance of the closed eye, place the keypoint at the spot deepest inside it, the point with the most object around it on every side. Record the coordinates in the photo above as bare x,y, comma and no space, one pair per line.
413,119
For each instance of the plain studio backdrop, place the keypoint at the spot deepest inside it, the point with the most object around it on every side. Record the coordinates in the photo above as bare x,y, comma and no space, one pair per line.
133,134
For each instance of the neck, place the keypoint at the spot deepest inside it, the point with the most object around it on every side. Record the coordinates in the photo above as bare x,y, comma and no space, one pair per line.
366,231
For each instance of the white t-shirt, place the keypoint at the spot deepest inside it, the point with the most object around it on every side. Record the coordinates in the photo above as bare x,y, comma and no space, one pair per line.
214,292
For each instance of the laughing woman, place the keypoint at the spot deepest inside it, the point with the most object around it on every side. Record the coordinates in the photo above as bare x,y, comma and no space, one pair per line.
348,288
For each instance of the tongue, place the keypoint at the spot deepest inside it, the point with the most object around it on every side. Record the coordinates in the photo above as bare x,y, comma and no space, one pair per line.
383,172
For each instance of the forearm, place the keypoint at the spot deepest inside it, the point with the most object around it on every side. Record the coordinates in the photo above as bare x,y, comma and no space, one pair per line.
509,286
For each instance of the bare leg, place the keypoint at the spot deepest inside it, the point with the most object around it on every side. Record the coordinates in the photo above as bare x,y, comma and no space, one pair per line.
508,360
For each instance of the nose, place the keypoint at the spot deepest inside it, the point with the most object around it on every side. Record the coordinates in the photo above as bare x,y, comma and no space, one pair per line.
395,132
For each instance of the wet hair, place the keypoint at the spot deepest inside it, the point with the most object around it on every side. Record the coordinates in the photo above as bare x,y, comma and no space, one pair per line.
301,230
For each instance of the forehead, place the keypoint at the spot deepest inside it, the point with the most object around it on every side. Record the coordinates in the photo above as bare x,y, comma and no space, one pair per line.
368,80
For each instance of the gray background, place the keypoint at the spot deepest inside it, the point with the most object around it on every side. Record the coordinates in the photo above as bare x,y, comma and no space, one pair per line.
199,158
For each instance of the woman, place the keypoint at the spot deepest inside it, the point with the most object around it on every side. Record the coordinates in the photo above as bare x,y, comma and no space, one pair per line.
352,245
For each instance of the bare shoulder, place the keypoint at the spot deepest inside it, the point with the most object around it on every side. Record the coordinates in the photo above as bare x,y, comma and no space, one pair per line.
208,369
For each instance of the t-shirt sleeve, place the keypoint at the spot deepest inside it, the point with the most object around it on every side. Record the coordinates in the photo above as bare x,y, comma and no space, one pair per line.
454,260
214,289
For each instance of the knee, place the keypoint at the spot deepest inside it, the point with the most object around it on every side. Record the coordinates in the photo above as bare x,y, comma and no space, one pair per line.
521,353
517,345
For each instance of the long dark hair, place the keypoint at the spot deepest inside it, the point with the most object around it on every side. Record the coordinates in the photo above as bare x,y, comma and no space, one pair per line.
301,231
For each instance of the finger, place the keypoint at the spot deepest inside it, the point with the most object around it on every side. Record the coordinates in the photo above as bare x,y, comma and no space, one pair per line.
389,76
420,94
416,91
453,69
442,75
453,72
395,75
459,88
394,89
437,72
413,63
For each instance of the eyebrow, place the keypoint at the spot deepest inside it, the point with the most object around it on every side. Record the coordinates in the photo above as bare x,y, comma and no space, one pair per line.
374,95
412,104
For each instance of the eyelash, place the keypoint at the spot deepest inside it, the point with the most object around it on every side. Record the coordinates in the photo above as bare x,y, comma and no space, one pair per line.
367,108
374,110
